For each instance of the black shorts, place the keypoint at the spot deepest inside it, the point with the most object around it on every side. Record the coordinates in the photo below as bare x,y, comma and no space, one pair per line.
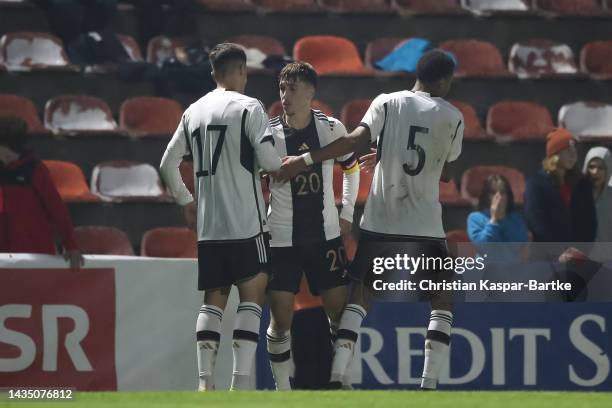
224,263
373,248
323,263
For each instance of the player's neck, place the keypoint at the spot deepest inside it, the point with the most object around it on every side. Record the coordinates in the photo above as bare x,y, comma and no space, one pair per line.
299,120
228,87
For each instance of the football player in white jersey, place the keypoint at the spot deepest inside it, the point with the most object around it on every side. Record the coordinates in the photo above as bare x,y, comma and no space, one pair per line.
229,137
417,134
304,224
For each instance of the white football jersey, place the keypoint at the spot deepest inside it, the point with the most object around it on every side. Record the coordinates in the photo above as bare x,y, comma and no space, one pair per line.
416,135
229,138
303,211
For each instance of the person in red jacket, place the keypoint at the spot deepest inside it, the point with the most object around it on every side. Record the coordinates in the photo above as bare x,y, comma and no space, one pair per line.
31,209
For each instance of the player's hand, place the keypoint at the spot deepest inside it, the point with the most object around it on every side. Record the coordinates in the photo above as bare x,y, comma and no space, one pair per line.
292,166
191,215
367,162
498,207
346,227
75,259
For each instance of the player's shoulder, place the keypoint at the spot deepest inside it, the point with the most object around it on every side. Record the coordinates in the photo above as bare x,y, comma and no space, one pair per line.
328,121
449,108
275,123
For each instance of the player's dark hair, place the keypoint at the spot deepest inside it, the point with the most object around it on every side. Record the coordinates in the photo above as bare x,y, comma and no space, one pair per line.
434,66
490,187
224,54
299,70
13,133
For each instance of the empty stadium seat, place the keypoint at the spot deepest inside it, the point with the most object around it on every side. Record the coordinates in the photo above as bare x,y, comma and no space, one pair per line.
127,181
476,58
28,51
267,45
276,109
69,181
162,48
380,48
496,6
473,179
408,7
131,47
537,58
353,111
330,55
459,244
569,7
286,6
23,108
596,59
513,120
473,129
449,194
587,119
73,114
357,6
169,242
225,5
150,116
365,181
100,240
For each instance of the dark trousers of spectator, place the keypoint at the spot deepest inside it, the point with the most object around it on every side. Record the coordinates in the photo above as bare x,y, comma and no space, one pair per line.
312,349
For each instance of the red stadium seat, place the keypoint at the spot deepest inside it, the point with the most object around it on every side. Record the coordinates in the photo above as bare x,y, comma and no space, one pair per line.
596,59
122,181
101,240
353,111
69,181
330,55
131,47
286,6
150,116
449,195
74,114
365,181
409,7
587,119
473,180
225,5
537,58
162,48
267,45
459,244
276,109
513,120
380,48
357,6
476,58
485,7
23,108
169,242
29,51
472,126
569,7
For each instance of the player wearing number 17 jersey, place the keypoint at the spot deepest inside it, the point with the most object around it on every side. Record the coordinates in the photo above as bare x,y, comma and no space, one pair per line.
417,134
229,137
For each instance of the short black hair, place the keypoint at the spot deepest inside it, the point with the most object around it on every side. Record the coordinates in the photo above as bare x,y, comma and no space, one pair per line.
490,187
13,133
299,70
222,55
434,66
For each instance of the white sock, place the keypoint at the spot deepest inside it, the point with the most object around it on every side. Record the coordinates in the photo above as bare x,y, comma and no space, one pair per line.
246,336
436,346
279,351
344,346
208,334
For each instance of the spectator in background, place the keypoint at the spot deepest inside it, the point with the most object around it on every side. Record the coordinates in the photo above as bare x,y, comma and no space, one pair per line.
548,195
30,205
591,204
496,218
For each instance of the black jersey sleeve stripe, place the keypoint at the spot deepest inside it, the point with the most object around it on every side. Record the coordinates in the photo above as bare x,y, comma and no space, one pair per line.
379,146
457,130
187,135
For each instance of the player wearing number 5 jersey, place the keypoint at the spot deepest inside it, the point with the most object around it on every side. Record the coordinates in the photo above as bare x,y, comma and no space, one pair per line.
229,138
417,134
304,221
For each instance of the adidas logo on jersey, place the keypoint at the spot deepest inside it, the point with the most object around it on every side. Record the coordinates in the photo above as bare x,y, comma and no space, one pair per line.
303,147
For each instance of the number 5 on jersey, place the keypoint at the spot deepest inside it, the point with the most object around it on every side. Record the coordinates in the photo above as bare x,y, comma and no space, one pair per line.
221,129
419,150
